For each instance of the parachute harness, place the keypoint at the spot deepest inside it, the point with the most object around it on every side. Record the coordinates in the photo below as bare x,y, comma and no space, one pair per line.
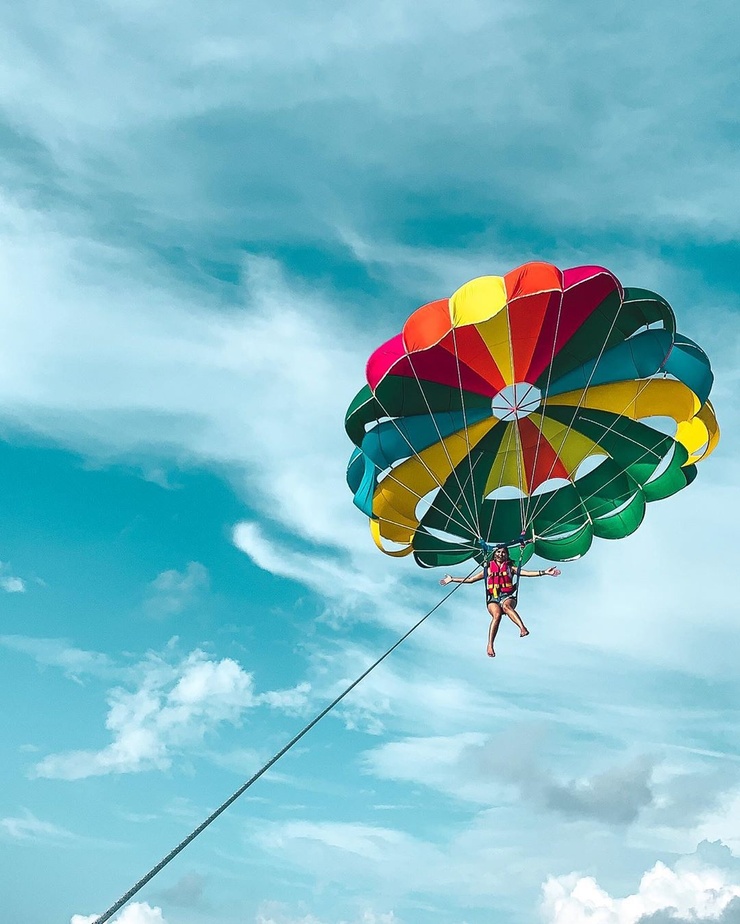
488,550
273,760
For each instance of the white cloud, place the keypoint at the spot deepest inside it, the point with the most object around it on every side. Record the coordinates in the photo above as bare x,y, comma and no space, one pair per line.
13,585
336,849
28,827
479,768
172,591
469,864
279,913
546,769
135,913
346,582
52,652
407,88
723,822
172,708
690,891
102,357
435,762
9,582
292,700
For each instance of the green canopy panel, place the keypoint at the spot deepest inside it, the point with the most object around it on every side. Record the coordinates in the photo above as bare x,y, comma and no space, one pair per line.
566,547
624,522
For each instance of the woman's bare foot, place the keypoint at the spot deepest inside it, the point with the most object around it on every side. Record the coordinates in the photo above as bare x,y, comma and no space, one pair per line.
524,633
491,653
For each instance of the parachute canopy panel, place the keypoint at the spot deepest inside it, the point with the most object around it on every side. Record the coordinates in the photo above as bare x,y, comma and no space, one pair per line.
534,404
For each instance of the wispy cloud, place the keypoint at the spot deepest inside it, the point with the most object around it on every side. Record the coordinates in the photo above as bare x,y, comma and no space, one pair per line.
476,767
53,652
280,913
338,578
467,864
27,827
173,591
180,377
384,89
665,800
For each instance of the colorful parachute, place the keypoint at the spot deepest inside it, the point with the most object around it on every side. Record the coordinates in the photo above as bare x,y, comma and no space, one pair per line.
545,403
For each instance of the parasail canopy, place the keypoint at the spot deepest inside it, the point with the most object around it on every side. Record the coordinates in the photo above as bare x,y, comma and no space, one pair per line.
551,404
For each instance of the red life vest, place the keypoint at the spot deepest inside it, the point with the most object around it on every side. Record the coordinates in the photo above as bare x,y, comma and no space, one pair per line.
499,578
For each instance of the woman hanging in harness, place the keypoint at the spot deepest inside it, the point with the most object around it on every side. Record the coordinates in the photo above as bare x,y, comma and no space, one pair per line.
501,577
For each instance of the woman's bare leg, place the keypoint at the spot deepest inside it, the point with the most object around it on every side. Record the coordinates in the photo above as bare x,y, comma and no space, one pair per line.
495,610
515,618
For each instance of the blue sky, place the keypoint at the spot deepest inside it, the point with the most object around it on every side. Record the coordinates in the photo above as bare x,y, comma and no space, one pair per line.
208,219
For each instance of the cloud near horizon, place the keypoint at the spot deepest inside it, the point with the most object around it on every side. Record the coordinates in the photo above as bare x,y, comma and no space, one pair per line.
690,892
135,913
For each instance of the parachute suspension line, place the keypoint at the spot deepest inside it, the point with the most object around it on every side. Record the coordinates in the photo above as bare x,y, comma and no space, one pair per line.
273,760
510,434
432,506
520,471
545,395
470,479
581,399
473,492
520,474
646,452
464,523
574,508
453,469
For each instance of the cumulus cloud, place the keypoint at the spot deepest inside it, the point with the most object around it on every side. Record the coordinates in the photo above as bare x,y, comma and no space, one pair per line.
729,915
172,591
170,709
688,893
135,913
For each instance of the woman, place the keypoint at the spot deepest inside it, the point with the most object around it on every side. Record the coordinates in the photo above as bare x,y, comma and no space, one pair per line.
500,590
